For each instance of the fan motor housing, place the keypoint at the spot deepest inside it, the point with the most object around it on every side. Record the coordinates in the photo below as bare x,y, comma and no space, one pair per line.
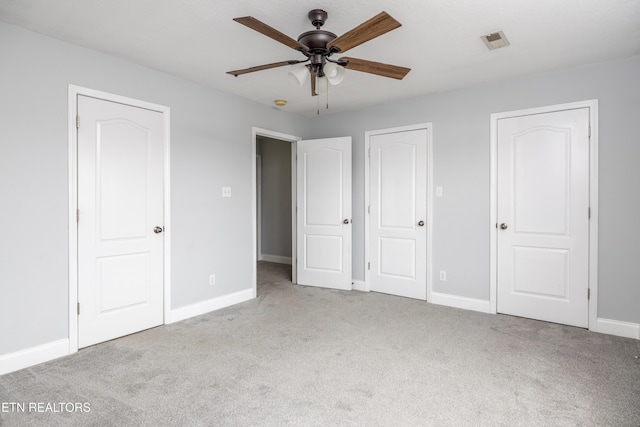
316,40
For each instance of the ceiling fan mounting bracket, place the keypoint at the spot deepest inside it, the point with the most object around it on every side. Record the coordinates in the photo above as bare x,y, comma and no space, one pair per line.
318,17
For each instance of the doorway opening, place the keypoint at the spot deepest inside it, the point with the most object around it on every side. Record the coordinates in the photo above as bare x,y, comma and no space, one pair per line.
275,200
321,225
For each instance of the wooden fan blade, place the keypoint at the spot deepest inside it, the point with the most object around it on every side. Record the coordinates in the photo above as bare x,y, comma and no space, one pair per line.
313,81
386,70
378,25
263,67
271,32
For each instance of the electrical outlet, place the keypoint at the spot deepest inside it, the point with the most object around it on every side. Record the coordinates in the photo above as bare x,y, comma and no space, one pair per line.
443,276
226,191
212,279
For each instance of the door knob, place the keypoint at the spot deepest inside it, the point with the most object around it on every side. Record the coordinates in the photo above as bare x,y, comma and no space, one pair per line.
157,230
346,221
504,226
421,223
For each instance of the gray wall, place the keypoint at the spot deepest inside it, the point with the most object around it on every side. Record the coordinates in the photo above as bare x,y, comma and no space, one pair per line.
276,197
461,157
210,148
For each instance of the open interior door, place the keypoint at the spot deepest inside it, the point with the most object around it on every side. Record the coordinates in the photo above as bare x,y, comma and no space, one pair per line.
324,213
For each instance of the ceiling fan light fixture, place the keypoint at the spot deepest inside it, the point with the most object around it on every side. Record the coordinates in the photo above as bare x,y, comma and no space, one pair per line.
334,72
299,75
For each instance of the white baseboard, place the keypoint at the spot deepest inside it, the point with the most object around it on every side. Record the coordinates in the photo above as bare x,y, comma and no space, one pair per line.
46,352
275,258
619,328
33,356
465,303
204,307
603,326
358,285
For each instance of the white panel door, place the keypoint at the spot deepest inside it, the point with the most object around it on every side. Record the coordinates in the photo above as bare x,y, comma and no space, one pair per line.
543,216
120,203
324,213
398,210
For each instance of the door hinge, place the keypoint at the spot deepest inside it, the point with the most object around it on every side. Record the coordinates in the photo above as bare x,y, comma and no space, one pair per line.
77,215
588,294
369,152
77,122
589,131
78,309
369,265
589,212
369,209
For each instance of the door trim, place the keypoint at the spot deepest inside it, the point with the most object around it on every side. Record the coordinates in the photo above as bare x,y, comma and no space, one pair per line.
593,200
255,132
259,207
73,92
429,220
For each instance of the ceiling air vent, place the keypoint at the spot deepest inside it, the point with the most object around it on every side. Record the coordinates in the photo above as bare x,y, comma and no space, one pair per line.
495,40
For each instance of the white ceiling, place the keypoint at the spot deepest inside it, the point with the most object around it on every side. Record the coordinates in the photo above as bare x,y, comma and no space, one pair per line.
439,40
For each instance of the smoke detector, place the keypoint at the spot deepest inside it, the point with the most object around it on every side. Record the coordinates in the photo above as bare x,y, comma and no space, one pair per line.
495,40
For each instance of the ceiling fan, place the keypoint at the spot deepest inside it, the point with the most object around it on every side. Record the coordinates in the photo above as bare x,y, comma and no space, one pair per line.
319,45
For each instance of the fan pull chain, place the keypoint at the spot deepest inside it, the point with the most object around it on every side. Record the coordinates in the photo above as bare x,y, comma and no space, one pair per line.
327,94
319,94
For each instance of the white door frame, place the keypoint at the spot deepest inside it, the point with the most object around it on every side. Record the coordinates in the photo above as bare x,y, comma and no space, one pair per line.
73,92
593,199
259,207
256,131
429,220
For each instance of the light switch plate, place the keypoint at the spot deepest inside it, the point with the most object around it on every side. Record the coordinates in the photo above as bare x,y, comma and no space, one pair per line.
439,191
